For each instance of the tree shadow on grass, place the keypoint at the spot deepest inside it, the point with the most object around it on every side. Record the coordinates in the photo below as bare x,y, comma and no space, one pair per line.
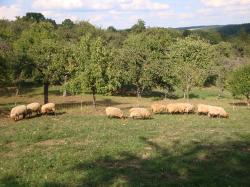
77,104
193,96
11,181
198,165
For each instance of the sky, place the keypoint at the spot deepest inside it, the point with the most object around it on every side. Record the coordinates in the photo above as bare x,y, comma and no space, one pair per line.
125,13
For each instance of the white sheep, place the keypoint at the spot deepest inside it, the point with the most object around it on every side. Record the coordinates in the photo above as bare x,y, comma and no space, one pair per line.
139,113
215,111
158,108
203,109
180,108
48,108
113,112
172,108
18,111
33,107
187,108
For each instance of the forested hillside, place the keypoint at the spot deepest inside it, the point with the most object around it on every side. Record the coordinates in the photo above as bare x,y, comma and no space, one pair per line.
84,58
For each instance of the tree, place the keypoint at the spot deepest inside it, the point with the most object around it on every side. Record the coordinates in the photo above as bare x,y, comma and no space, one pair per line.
139,26
192,59
41,51
223,64
111,29
91,59
239,82
67,58
68,23
186,33
159,41
34,16
136,60
4,53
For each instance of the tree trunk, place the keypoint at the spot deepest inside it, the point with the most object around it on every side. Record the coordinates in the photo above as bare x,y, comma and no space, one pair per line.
166,92
17,91
138,92
94,98
65,81
46,92
221,92
187,92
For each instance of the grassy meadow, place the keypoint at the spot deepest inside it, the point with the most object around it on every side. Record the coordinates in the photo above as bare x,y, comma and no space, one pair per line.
80,146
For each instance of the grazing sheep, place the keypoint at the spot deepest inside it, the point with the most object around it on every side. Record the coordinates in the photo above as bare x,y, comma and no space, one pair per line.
33,107
139,113
203,109
48,108
173,108
158,108
215,111
187,108
17,111
113,112
180,108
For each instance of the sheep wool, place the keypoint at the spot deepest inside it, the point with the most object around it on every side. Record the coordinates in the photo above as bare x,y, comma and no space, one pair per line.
139,113
215,111
48,108
203,109
158,108
173,108
33,107
18,111
186,108
113,112
180,108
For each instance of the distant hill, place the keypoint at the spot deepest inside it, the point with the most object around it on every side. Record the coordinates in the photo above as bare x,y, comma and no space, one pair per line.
224,30
202,27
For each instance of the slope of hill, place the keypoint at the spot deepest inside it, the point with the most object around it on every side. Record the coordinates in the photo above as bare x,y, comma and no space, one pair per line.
225,30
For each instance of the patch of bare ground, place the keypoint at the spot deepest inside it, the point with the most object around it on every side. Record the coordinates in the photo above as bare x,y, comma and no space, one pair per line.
10,154
50,142
11,145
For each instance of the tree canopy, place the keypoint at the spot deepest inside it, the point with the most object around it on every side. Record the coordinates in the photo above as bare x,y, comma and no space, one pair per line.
88,59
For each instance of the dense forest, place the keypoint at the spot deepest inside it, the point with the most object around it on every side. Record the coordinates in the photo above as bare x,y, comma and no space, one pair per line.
83,58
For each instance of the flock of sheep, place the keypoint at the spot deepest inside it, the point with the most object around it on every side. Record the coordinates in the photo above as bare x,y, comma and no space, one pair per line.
23,110
173,108
135,113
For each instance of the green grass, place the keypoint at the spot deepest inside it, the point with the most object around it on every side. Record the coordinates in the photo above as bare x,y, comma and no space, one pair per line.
84,148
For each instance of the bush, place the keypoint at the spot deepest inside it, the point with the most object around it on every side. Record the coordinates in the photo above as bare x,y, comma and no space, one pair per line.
239,82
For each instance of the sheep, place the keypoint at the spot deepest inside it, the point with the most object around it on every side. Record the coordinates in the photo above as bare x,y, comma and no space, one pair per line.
17,111
187,108
158,108
33,107
180,108
173,108
203,109
215,111
48,108
133,109
114,112
139,113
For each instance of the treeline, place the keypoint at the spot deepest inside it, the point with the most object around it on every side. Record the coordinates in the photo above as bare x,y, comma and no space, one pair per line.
87,59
